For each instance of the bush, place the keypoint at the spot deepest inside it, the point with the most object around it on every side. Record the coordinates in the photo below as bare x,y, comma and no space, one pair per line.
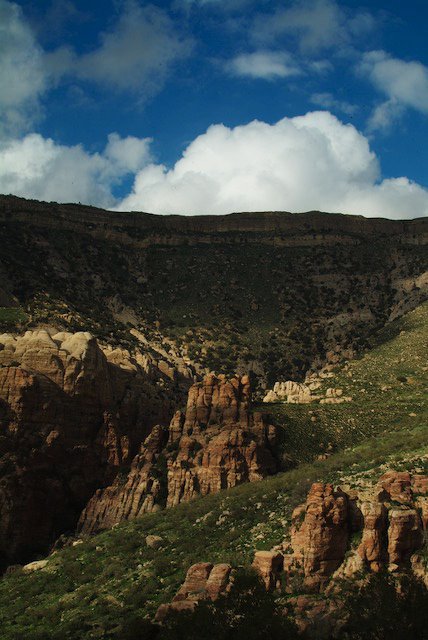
386,609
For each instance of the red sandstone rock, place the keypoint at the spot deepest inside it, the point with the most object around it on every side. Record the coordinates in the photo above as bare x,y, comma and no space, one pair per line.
203,581
127,500
268,565
321,541
372,544
390,535
404,535
397,485
69,418
202,456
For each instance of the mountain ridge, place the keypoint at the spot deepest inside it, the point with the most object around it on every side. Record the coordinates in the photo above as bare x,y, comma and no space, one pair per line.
12,207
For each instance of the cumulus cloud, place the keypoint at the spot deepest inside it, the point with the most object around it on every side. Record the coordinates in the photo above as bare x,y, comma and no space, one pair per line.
317,24
267,65
36,167
136,54
404,83
298,164
22,75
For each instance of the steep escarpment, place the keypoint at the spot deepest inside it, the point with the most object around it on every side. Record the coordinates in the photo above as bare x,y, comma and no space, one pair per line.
277,294
217,443
71,415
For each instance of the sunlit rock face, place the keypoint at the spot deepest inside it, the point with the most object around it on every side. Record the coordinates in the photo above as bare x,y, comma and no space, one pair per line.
215,444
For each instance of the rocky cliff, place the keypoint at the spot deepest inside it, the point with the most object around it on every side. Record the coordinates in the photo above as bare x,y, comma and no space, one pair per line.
274,293
216,443
71,415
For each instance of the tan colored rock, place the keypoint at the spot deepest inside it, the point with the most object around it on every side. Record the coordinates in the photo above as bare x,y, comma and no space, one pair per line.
154,542
371,549
203,581
397,485
404,535
35,566
269,565
218,581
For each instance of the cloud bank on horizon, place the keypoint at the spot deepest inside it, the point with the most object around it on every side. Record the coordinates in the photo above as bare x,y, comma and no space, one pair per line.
317,160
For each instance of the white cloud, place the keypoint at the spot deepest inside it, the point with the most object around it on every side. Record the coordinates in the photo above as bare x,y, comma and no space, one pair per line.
328,101
404,83
22,76
384,115
298,164
267,65
136,54
35,167
317,25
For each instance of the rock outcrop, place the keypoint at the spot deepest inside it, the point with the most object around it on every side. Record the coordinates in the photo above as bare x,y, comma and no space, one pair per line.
203,581
70,417
336,534
320,542
302,393
269,566
215,444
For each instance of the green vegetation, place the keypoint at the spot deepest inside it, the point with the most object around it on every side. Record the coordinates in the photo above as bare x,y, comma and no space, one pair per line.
233,303
90,590
261,306
104,585
11,318
388,386
377,610
248,612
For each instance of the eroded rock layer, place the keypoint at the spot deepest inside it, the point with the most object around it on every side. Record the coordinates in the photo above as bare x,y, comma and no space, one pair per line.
70,416
216,443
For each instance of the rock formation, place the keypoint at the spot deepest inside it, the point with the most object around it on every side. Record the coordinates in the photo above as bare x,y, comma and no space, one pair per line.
216,443
70,417
203,581
269,565
302,393
388,523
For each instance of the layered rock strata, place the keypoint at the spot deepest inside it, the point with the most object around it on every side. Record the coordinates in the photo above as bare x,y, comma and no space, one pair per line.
215,444
70,417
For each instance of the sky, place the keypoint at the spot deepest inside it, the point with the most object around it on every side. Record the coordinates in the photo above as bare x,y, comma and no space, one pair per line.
214,106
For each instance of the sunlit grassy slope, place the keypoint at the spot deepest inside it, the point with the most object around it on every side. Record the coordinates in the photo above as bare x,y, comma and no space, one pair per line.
93,589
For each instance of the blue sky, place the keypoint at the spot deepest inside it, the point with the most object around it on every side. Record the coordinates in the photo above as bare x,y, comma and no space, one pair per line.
212,106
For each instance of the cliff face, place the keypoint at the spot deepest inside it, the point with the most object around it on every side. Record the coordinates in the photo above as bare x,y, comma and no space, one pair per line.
215,444
70,416
274,293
